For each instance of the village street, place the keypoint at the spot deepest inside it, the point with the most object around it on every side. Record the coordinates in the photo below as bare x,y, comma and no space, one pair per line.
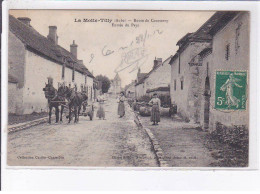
112,142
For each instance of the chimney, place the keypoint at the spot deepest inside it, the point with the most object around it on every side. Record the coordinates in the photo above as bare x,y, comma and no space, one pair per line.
53,34
25,20
157,62
73,49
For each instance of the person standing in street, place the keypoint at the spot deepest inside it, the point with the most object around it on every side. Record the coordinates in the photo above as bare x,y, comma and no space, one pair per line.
155,102
101,110
121,105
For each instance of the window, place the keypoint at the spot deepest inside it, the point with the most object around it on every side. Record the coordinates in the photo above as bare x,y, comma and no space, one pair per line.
227,52
181,84
175,85
237,44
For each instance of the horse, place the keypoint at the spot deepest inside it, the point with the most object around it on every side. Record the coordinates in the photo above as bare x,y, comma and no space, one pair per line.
75,100
54,100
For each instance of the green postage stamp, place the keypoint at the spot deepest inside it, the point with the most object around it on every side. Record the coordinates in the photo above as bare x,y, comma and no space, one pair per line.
231,90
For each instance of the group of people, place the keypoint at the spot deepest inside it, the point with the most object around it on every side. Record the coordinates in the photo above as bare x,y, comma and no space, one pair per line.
101,110
155,103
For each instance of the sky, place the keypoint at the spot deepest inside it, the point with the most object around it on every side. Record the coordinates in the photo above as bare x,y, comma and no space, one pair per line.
118,41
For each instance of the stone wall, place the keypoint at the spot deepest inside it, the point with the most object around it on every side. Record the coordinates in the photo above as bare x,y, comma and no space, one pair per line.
239,60
186,98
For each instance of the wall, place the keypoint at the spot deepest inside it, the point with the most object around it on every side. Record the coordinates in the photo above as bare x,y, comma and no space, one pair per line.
139,90
37,70
12,96
16,61
238,61
184,99
131,89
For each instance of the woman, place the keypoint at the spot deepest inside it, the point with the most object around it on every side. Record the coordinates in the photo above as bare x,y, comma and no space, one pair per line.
121,105
101,111
155,102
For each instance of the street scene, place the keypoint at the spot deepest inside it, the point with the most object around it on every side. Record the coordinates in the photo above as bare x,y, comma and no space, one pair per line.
128,88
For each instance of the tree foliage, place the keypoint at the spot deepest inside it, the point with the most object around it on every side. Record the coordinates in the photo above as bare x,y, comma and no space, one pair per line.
105,82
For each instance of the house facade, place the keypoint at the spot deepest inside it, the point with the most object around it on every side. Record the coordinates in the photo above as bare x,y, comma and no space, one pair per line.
34,59
196,91
184,76
130,89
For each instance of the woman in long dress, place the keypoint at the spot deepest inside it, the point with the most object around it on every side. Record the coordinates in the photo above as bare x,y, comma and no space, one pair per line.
121,105
101,110
155,102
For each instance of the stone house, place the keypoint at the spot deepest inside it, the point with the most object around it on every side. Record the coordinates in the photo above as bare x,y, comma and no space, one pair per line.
228,51
34,60
183,75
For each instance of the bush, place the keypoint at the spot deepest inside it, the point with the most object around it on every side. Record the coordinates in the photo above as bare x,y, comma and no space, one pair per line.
236,136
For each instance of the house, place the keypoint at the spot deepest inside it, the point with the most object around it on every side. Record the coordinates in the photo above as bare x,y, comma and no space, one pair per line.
115,87
139,86
159,78
130,89
183,76
200,92
34,59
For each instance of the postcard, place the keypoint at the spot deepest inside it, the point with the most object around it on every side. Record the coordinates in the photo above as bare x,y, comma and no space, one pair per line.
132,88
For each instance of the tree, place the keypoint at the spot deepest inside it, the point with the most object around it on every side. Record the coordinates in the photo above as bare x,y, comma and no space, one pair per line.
105,82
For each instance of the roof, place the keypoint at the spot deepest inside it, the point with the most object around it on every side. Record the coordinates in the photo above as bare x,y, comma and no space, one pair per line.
161,89
141,76
206,31
221,19
41,45
174,57
12,79
205,51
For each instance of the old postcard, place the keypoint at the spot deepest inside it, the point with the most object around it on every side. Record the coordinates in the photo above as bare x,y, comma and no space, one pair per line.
111,88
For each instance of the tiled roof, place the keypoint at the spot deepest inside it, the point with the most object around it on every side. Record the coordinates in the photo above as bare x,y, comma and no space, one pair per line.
12,79
221,19
38,43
